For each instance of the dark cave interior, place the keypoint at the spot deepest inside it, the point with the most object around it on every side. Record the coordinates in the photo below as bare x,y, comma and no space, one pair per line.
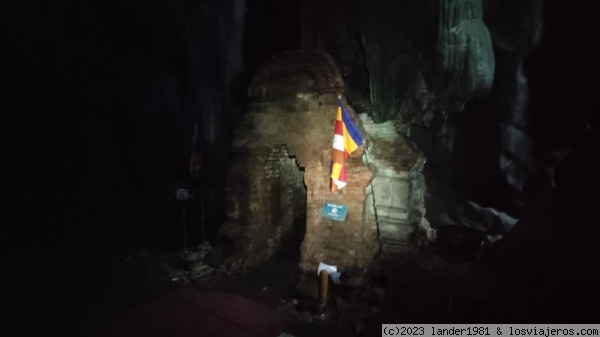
101,100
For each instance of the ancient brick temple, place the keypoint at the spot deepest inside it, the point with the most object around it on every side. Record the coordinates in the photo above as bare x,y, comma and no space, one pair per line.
279,175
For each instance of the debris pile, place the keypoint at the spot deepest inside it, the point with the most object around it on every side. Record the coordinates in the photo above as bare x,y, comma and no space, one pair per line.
190,264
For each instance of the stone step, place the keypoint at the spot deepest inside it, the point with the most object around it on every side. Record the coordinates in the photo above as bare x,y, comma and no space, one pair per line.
393,242
392,252
391,213
394,230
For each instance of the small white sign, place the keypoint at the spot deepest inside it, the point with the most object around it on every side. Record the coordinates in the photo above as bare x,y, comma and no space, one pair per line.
182,194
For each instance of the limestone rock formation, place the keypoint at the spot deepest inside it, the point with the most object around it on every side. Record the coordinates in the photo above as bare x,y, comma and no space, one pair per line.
465,48
513,41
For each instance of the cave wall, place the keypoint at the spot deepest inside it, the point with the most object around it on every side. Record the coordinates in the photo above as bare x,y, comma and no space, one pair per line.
555,119
102,105
483,161
384,47
171,81
98,124
513,41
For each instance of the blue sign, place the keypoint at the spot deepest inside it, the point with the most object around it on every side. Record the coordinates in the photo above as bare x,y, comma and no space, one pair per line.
334,212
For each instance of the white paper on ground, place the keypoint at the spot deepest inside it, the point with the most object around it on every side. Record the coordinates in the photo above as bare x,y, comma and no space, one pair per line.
331,270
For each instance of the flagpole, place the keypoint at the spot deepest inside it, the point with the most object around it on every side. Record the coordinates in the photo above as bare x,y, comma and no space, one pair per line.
202,204
197,172
183,226
201,169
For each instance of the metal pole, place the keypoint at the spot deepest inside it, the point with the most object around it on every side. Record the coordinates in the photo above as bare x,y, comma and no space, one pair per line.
202,205
183,223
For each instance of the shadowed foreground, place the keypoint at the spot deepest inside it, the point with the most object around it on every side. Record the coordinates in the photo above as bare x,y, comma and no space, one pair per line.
189,312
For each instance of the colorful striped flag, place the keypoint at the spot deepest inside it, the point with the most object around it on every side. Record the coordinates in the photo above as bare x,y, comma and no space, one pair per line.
346,139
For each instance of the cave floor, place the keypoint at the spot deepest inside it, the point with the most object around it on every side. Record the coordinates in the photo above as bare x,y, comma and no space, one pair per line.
424,289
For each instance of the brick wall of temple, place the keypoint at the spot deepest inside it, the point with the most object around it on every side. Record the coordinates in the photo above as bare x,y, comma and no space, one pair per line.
265,195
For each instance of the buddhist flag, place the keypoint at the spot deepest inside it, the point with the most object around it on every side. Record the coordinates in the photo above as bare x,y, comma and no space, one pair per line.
346,139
